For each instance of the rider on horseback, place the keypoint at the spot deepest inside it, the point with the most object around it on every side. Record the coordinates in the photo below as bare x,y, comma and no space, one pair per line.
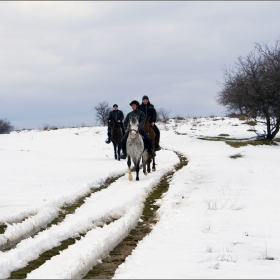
118,116
150,111
141,118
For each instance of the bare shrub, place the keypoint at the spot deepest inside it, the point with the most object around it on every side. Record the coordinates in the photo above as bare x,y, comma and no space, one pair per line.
102,112
5,127
163,115
211,204
179,117
46,127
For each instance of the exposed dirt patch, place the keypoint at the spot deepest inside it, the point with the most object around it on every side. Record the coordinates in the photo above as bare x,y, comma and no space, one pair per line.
2,228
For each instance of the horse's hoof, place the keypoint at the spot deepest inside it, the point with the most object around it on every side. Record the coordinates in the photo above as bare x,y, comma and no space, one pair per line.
118,159
137,179
130,178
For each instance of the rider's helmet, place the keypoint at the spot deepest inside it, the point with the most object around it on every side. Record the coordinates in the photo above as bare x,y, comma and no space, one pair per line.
134,102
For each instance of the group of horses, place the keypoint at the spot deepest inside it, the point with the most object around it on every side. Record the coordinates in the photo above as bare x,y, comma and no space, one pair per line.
135,147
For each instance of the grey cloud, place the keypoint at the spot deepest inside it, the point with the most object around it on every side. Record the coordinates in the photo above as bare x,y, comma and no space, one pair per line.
58,59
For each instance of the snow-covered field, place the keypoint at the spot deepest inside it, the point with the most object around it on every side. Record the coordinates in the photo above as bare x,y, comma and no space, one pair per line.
219,218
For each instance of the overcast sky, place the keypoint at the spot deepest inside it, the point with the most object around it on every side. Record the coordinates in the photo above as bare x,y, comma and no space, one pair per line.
60,59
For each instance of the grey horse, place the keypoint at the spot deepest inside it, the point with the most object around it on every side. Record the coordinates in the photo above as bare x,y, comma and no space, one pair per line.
134,147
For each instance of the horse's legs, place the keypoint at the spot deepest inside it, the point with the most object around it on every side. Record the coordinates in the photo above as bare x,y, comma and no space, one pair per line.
115,150
149,164
137,170
144,165
119,151
154,165
144,162
129,170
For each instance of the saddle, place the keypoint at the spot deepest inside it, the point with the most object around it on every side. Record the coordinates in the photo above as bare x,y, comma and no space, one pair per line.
144,141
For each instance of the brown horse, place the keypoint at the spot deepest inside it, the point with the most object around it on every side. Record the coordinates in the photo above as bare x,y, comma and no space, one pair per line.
148,128
116,135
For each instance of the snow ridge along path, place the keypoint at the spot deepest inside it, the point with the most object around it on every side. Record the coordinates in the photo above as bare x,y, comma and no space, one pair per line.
120,205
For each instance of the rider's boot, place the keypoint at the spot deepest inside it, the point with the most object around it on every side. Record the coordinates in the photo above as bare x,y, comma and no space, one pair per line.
158,148
108,140
151,153
123,155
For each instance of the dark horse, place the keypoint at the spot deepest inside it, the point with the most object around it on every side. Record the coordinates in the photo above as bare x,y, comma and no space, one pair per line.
116,135
147,160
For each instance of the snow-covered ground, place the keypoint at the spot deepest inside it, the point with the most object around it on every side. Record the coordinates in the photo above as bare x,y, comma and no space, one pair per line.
219,218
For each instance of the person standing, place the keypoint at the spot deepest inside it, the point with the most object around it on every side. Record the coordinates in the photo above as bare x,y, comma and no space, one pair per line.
118,116
149,111
141,119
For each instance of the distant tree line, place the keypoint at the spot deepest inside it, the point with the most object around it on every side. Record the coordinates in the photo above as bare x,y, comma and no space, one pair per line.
102,111
252,87
5,127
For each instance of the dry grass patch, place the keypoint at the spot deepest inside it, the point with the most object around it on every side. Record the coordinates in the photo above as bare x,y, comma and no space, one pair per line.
238,144
236,156
250,123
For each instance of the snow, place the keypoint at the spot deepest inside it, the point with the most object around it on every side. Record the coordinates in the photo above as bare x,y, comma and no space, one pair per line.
219,218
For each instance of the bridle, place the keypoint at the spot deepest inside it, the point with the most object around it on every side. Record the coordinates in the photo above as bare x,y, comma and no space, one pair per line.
136,131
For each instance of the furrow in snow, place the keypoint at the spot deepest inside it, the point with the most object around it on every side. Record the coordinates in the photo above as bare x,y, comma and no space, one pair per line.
74,262
18,231
111,203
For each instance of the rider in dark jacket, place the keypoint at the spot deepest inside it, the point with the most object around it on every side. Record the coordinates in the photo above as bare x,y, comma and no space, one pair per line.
141,118
118,116
149,111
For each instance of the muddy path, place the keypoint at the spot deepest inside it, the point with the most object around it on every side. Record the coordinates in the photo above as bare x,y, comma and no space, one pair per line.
107,268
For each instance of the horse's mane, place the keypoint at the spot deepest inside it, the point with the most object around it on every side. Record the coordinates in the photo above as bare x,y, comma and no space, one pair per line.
116,124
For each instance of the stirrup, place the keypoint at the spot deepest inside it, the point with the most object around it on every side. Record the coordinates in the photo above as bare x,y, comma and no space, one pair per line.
123,156
151,153
158,148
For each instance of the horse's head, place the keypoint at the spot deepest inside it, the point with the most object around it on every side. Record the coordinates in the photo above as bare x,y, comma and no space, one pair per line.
133,123
111,122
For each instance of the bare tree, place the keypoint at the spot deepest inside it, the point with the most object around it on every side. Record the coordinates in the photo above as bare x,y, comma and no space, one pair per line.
163,115
5,127
102,112
253,88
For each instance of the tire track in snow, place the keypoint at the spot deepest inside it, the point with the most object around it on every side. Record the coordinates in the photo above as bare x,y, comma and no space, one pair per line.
49,216
119,199
18,232
106,268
